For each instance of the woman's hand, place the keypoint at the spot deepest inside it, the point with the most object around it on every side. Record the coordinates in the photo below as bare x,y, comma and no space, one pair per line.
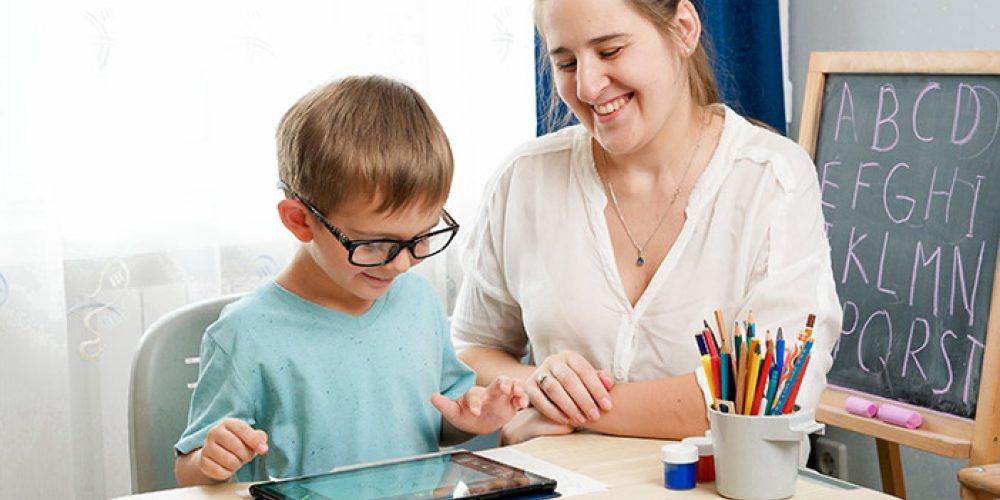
566,389
529,424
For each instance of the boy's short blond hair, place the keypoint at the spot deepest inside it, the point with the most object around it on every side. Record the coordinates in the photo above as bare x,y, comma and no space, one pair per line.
364,138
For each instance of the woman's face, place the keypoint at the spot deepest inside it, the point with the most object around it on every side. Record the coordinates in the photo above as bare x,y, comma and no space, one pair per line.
620,76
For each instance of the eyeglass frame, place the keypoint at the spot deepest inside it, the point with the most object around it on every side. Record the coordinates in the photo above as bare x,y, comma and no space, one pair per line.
352,245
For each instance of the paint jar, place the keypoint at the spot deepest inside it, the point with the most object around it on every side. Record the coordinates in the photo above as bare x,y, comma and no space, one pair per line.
757,457
679,461
704,470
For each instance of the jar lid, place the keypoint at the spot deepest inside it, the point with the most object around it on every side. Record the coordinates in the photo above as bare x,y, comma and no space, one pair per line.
704,444
679,453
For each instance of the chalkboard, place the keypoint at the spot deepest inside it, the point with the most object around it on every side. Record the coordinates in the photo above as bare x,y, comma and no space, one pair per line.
909,168
907,158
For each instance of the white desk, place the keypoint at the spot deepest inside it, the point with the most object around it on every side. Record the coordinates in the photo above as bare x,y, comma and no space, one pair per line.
630,467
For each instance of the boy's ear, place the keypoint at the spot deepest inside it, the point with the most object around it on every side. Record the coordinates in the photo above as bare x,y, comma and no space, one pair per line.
295,216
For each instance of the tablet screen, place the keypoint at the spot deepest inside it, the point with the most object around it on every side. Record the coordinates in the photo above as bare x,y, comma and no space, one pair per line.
454,475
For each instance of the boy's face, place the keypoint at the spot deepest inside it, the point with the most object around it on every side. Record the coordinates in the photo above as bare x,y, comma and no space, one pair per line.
360,220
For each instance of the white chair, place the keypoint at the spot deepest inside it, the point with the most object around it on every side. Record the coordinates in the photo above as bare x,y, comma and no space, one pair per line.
164,372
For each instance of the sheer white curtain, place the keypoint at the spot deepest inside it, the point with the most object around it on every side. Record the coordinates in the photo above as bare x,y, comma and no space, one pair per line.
137,174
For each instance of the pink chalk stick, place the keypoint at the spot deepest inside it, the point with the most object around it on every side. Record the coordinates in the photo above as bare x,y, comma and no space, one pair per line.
860,406
899,416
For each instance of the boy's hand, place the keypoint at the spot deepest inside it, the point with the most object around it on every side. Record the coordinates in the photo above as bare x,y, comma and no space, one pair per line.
229,445
530,424
483,410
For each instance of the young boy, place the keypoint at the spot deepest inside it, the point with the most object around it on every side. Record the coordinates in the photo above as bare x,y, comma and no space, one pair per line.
345,357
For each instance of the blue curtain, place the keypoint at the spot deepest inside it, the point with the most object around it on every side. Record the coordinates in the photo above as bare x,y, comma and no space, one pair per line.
744,41
746,38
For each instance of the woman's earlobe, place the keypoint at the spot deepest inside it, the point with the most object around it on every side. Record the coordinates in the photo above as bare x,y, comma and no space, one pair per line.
689,25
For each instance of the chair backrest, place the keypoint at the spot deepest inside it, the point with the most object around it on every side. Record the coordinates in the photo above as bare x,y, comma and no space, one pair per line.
164,372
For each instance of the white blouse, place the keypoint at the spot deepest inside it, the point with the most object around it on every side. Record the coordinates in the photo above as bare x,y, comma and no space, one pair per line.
539,269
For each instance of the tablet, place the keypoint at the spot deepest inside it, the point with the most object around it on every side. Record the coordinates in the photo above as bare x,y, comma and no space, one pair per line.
459,474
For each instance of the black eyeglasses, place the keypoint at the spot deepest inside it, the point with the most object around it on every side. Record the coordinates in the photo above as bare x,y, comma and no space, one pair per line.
374,253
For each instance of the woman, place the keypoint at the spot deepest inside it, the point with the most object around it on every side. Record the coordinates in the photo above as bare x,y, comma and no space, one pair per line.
605,245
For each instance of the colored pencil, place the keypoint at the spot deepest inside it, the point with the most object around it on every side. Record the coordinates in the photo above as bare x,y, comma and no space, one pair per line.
790,404
741,377
724,366
772,386
752,375
790,382
762,378
706,363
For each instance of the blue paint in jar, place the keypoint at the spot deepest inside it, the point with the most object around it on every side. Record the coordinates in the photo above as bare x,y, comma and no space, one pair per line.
679,461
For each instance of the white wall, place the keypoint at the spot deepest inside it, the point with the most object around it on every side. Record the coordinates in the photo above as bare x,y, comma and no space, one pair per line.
137,174
864,25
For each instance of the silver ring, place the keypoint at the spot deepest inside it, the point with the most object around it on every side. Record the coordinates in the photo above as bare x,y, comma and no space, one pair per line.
541,380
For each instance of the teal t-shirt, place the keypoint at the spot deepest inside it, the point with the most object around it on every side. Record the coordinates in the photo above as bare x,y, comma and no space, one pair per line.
329,389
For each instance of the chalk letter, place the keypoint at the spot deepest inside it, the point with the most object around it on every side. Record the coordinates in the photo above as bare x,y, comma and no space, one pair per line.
919,260
845,96
848,306
885,196
886,88
975,201
996,122
858,183
913,354
823,183
916,107
968,366
958,111
947,361
958,273
931,193
852,257
881,267
861,340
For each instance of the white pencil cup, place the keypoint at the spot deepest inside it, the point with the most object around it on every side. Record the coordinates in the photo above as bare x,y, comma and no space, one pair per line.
757,457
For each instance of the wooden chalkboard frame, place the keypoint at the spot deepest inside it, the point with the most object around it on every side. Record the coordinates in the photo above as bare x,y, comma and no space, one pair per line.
977,440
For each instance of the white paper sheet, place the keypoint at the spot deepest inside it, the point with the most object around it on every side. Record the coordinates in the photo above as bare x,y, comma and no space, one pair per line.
569,483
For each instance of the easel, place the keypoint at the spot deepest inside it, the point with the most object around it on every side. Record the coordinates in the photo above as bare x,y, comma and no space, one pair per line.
977,440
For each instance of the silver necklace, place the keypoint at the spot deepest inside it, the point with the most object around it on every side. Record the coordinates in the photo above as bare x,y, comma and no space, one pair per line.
639,261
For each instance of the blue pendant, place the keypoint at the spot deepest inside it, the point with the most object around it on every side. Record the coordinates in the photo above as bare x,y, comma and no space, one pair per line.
640,261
